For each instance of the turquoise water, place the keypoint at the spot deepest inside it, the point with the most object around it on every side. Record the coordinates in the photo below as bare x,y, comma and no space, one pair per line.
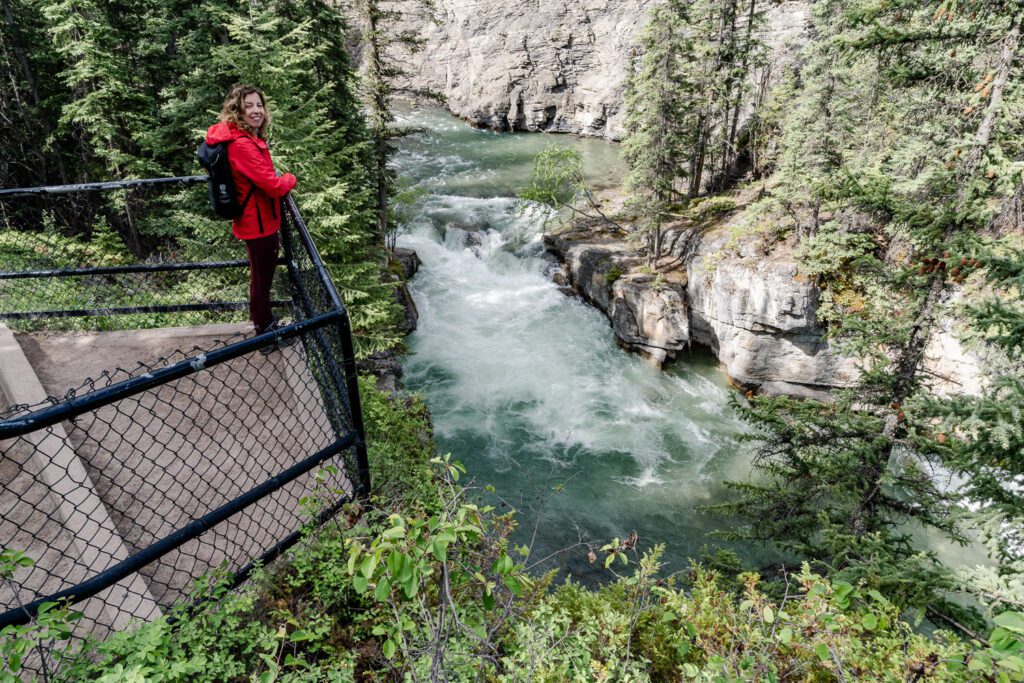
527,386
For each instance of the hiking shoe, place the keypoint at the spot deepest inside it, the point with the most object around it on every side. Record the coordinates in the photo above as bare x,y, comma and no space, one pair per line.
277,344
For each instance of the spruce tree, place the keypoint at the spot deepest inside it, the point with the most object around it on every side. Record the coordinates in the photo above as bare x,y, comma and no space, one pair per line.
659,129
384,47
910,178
684,99
727,48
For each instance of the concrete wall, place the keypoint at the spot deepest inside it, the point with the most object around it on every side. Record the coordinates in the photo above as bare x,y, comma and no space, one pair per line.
78,498
51,510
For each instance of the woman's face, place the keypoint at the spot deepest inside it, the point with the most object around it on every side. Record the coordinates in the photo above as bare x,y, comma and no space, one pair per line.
254,114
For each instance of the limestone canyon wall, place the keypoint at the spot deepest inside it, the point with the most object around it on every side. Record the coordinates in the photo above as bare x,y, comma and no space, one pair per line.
558,66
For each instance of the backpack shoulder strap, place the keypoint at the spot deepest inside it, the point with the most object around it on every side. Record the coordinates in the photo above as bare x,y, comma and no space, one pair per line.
252,188
252,185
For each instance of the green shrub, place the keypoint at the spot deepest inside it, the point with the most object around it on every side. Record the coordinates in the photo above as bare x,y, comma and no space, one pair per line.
613,274
400,443
703,210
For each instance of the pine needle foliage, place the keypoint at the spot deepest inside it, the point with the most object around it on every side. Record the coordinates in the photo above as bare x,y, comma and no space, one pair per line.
105,89
981,438
659,132
897,154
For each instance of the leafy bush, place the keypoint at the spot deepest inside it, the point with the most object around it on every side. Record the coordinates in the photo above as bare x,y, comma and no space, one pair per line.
424,586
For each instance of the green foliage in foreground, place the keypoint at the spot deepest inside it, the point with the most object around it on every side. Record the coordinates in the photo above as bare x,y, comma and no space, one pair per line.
422,585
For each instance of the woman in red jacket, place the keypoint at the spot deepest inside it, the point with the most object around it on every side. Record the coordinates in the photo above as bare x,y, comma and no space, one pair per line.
244,121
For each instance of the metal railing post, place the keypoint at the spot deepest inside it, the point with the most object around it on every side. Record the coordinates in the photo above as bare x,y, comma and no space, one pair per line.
348,362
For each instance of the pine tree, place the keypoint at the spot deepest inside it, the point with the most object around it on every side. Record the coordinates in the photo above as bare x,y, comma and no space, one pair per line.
384,46
818,134
981,438
101,44
106,48
659,126
728,47
684,100
909,180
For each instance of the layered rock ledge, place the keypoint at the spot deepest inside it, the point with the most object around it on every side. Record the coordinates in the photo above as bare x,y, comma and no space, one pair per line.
757,315
755,311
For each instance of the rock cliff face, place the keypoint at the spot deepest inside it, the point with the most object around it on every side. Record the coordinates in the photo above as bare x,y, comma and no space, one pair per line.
549,66
759,317
756,315
755,312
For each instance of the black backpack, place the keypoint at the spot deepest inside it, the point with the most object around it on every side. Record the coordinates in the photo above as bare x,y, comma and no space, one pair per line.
223,194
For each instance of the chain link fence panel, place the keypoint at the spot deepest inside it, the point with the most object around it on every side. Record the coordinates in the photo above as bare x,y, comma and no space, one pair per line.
134,484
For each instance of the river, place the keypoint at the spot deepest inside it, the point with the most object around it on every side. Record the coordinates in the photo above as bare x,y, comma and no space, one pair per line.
527,387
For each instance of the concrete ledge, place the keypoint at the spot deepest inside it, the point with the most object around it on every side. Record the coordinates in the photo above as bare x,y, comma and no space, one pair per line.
156,460
63,360
46,456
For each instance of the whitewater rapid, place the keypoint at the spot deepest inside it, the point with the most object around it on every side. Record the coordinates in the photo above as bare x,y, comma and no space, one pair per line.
526,384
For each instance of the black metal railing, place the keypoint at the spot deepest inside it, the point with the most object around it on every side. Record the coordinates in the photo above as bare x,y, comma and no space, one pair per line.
56,260
131,486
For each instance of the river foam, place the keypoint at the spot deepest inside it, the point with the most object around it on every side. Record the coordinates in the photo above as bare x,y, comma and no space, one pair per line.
525,383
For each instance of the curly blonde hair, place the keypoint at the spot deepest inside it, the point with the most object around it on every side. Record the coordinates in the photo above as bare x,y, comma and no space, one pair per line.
233,109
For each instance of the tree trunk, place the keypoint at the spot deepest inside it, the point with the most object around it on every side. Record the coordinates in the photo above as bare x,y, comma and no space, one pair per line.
697,163
729,59
731,141
908,363
381,113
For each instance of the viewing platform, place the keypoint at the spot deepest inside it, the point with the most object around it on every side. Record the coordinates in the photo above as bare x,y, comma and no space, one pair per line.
145,439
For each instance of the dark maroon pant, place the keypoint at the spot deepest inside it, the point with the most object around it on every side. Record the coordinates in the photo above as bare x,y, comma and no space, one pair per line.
262,262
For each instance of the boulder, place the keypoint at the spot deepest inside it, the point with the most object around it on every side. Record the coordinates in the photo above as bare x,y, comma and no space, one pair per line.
649,318
462,236
384,365
411,315
408,260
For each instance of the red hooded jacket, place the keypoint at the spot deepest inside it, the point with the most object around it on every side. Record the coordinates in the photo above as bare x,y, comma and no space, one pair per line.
249,157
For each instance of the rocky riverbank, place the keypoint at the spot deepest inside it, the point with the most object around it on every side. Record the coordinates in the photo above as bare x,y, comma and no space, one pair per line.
756,315
751,307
